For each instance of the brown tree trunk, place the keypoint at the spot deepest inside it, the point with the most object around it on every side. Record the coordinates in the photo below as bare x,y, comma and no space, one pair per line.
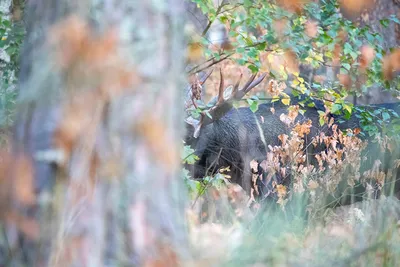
99,128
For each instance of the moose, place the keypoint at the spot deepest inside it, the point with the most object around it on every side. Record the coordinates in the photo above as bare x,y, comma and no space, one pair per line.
234,137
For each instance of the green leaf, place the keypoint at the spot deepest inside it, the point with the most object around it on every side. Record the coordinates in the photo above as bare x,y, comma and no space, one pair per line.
253,53
261,46
233,33
348,107
223,19
253,68
321,121
385,116
240,50
241,61
6,23
384,22
336,108
346,66
247,3
11,50
394,19
354,55
254,106
347,48
217,55
188,155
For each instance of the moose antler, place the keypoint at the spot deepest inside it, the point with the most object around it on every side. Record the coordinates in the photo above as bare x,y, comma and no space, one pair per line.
195,88
224,101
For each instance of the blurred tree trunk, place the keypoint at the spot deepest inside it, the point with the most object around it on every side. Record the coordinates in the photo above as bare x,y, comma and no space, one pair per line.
98,135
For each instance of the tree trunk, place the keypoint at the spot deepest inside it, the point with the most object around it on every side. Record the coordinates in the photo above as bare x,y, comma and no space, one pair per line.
99,125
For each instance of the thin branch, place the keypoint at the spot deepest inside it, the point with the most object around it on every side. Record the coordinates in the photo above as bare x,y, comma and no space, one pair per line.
219,12
222,52
210,22
205,62
207,28
195,70
232,8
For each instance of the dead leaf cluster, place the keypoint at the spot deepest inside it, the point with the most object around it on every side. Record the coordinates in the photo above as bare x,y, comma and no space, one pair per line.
321,173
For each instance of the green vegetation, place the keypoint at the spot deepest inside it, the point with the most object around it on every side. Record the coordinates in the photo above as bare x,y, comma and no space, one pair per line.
11,38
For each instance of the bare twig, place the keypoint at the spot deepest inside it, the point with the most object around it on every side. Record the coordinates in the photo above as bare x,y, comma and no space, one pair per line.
210,22
195,70
212,61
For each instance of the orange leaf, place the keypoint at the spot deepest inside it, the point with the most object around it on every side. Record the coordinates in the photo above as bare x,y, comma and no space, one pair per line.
292,5
391,64
367,56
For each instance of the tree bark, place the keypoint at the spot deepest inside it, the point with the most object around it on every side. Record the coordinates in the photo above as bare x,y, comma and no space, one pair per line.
100,122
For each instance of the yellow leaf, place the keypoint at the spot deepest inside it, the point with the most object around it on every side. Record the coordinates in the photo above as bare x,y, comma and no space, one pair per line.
295,83
319,57
286,101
